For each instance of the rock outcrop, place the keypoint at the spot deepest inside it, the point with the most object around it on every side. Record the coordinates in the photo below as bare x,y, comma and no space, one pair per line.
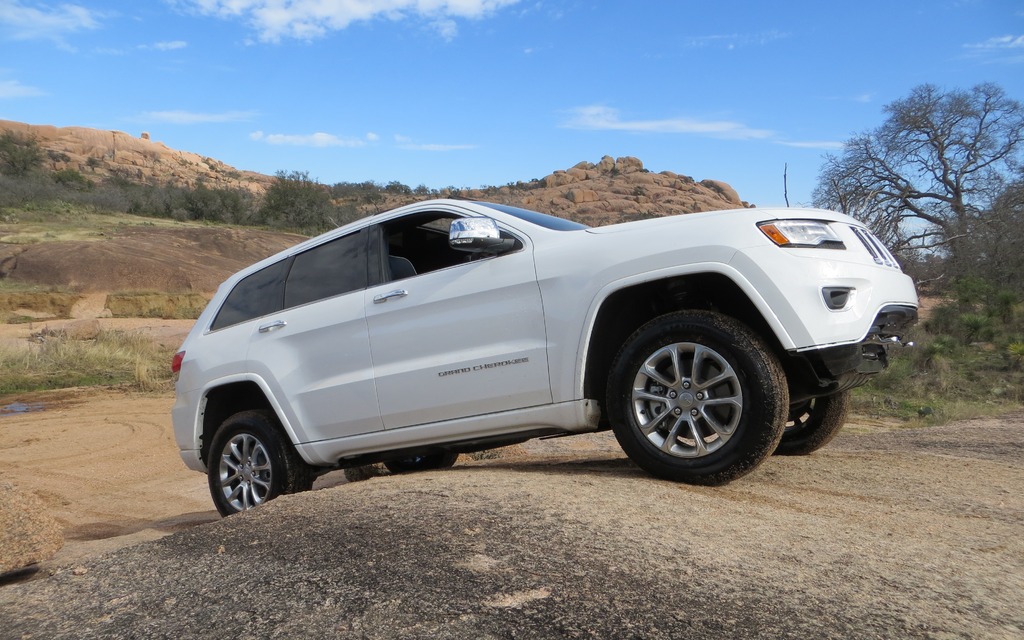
613,190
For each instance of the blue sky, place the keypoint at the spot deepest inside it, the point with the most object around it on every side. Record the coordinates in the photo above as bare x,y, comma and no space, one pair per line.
485,92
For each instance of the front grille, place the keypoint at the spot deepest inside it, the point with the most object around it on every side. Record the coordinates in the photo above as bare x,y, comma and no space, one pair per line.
875,247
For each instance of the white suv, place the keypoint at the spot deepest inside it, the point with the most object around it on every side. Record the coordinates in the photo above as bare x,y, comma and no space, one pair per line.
706,342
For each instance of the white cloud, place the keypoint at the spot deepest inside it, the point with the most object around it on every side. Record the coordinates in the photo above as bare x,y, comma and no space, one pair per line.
827,145
14,89
167,46
407,143
23,22
1002,49
310,19
318,139
600,118
863,98
1001,42
733,40
447,29
190,117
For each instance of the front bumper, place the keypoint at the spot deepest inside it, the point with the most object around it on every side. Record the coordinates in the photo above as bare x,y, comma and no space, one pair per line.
829,370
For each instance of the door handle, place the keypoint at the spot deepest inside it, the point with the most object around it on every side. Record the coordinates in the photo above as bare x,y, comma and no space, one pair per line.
273,326
384,297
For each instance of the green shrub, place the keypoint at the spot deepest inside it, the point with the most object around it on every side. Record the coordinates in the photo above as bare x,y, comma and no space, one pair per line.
975,326
73,179
18,155
1016,352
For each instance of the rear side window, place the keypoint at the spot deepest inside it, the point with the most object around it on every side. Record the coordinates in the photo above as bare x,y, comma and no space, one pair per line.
256,295
329,270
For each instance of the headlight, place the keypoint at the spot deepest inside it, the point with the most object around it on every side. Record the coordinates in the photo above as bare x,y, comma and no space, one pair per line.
801,233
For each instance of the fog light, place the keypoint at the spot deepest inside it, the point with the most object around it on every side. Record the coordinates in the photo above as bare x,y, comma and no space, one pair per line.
836,297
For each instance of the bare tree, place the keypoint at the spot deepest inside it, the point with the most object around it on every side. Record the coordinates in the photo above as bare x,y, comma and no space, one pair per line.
932,172
996,243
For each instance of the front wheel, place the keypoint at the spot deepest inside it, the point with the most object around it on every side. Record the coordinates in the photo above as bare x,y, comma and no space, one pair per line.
697,397
813,424
251,462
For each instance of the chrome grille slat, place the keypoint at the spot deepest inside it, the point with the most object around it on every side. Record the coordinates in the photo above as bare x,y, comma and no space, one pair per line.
878,252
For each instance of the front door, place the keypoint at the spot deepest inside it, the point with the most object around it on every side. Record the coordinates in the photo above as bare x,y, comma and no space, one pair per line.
452,337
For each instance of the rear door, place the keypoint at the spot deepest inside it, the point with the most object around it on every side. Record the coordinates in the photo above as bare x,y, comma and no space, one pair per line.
315,354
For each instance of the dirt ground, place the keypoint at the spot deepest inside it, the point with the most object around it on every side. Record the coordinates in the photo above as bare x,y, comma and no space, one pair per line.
106,464
885,533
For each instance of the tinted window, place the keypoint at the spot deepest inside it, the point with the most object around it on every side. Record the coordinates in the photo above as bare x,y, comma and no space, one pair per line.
256,295
422,240
333,268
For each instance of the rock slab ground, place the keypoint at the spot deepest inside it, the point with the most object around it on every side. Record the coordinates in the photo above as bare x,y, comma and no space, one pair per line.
883,534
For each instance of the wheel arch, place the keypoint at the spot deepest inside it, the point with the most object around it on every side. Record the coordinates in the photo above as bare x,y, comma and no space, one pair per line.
624,310
228,398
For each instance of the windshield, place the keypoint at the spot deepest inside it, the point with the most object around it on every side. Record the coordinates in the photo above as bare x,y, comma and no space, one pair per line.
537,218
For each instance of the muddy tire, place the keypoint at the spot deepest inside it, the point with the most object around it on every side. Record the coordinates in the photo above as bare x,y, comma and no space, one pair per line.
697,397
252,462
813,424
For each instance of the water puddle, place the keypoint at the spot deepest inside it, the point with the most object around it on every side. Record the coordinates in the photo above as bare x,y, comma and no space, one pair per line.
21,407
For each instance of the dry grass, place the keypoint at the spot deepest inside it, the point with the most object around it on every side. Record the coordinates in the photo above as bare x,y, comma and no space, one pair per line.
113,358
61,221
56,304
182,306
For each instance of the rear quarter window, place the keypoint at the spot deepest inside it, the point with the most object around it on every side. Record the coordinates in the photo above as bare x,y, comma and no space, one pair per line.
256,295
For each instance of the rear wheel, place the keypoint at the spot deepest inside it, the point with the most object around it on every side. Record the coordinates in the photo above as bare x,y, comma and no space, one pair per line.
441,460
251,462
697,397
813,424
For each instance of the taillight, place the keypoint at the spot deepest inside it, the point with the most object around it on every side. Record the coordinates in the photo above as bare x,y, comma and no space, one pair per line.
176,361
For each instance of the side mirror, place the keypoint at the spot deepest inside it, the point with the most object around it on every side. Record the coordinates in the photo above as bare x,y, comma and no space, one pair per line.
477,235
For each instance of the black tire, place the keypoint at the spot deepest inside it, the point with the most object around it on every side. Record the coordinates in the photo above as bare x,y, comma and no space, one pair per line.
813,424
252,462
441,460
727,377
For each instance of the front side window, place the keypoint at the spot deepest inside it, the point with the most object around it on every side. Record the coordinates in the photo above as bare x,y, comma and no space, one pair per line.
418,244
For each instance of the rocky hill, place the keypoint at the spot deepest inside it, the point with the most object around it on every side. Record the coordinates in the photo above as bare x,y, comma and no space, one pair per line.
101,154
614,190
611,190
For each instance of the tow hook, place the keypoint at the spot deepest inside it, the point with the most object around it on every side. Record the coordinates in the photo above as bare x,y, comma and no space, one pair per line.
891,341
